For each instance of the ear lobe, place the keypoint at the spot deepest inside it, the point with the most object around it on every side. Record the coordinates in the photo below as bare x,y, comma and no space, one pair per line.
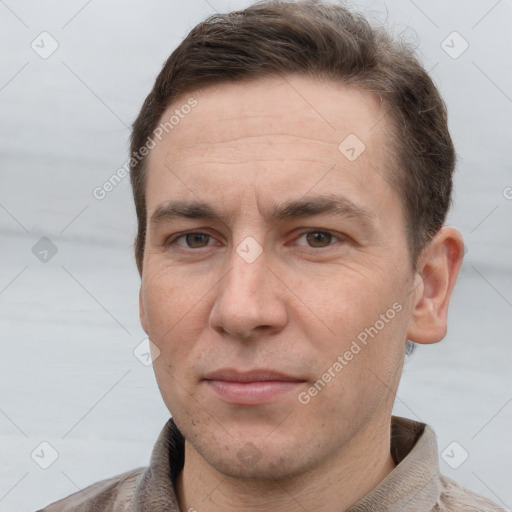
438,268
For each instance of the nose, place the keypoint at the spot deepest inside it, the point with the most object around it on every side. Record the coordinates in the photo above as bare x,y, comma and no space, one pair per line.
250,300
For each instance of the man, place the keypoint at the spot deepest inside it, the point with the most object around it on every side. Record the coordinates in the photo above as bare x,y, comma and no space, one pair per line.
292,172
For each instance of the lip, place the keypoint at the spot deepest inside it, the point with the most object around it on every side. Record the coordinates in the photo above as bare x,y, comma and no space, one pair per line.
254,387
256,375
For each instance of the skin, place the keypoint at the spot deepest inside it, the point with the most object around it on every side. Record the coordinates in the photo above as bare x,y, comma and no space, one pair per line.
297,307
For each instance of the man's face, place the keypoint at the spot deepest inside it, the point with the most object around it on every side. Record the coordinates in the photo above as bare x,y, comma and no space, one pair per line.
256,315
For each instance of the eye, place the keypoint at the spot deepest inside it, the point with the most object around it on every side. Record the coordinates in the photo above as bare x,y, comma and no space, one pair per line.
315,239
193,240
320,239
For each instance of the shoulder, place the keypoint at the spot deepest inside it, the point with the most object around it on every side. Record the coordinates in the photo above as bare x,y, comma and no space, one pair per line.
113,494
456,498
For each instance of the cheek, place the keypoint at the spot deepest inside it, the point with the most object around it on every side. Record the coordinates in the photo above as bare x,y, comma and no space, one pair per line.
346,304
176,316
355,379
363,321
166,299
163,309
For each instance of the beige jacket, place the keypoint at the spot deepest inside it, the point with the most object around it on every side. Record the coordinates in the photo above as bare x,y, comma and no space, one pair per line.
415,485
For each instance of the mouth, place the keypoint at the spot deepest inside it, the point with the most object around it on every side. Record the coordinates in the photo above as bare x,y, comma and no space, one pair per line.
254,387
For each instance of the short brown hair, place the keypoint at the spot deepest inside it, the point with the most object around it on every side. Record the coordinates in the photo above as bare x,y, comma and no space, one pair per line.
276,38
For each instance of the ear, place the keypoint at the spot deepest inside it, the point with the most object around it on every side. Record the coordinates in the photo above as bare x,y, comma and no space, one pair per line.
142,312
437,271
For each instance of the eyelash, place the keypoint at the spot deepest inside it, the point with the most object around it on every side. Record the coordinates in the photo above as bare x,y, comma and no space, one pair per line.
172,241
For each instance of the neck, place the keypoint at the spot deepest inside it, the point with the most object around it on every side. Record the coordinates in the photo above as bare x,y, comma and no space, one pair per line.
335,485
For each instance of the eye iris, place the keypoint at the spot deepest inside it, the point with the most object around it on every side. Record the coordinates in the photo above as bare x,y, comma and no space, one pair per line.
317,236
192,238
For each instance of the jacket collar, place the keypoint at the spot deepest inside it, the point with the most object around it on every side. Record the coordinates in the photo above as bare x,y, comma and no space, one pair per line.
415,481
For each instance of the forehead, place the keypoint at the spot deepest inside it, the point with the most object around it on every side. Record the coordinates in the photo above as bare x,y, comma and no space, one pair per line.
305,107
281,130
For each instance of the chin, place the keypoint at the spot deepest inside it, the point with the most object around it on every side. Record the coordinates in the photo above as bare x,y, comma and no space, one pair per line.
268,468
262,461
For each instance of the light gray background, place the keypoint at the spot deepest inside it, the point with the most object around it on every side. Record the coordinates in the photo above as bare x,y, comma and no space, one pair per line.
69,326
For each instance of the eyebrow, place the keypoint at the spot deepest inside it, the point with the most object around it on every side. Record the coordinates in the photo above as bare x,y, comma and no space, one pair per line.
304,207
